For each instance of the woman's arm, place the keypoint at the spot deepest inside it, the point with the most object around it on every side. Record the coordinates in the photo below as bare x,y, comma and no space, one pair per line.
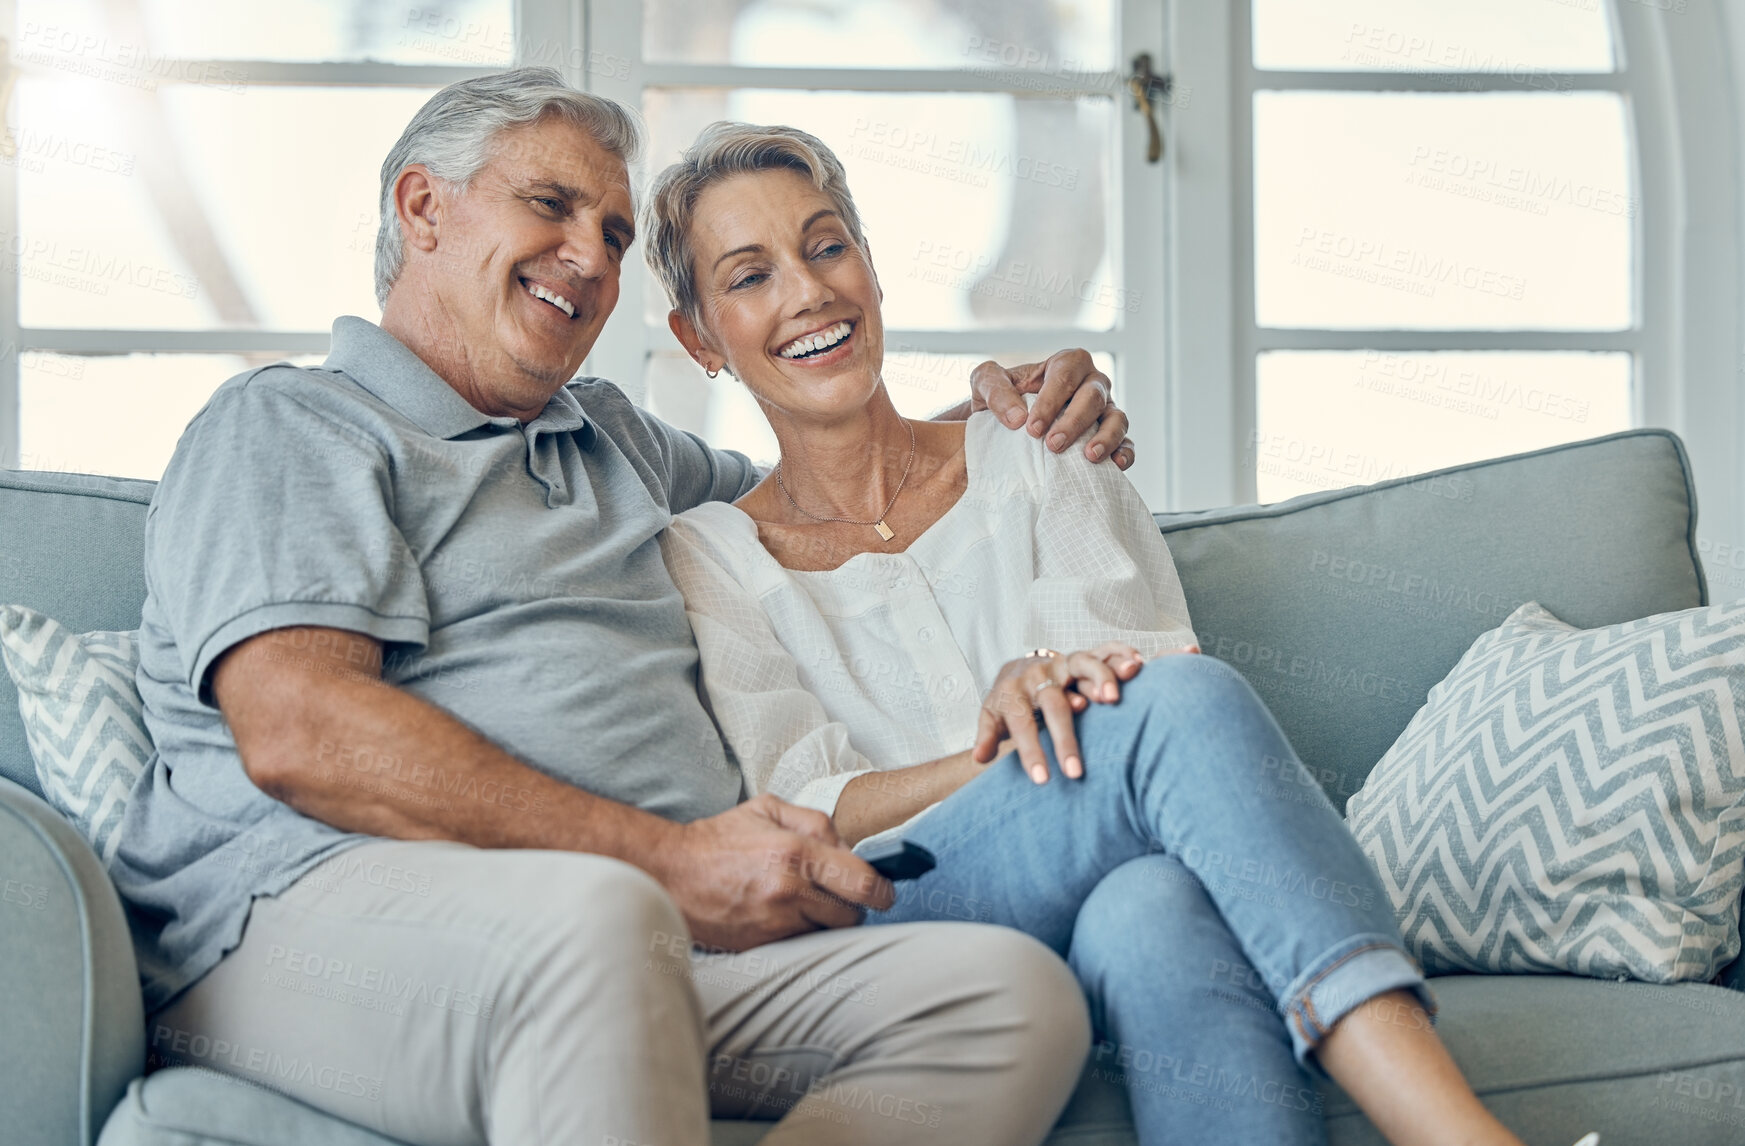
874,801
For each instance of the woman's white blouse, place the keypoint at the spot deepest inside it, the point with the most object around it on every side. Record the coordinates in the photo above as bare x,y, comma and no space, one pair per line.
818,677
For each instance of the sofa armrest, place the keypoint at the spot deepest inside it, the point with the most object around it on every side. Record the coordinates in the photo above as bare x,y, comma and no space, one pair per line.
75,1026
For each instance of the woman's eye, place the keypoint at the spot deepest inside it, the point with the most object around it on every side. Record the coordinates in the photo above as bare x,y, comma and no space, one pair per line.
747,280
829,250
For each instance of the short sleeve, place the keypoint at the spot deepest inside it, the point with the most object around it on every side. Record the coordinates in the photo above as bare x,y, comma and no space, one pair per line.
1103,571
781,736
696,472
270,515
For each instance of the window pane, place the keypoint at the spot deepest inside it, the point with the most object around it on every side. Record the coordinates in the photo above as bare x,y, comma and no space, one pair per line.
198,208
981,210
1329,419
1060,37
77,36
117,415
1503,212
921,383
1520,39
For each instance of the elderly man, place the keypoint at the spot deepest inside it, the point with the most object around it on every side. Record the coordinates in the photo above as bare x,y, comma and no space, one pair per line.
437,812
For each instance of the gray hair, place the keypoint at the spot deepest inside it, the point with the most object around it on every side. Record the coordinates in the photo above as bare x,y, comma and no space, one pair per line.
723,149
454,132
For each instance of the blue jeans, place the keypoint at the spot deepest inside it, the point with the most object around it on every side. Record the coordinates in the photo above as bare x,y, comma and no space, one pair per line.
1211,901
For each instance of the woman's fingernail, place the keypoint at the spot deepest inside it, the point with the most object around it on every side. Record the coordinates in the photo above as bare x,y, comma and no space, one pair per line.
1072,766
1040,775
1110,692
1096,453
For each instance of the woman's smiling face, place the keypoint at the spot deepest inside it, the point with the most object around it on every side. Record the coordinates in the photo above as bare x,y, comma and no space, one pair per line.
786,295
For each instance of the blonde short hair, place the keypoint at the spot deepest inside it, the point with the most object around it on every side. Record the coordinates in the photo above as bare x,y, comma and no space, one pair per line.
725,149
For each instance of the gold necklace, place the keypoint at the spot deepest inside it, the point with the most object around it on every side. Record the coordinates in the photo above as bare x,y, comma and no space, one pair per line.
878,524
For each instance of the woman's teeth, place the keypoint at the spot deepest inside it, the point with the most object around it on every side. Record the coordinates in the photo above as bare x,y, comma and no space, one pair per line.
813,343
553,298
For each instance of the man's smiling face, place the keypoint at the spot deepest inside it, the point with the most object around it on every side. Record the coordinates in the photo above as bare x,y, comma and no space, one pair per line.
526,263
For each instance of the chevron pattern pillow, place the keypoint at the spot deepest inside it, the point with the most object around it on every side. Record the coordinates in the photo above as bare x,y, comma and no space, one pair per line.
1572,801
83,718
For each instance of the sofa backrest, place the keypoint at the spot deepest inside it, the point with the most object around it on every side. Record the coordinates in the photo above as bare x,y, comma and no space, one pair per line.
1342,609
71,546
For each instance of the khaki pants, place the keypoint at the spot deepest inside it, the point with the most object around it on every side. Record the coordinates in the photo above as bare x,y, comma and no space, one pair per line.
451,996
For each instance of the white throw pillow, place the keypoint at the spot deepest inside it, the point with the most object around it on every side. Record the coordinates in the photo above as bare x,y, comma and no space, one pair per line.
83,718
1571,801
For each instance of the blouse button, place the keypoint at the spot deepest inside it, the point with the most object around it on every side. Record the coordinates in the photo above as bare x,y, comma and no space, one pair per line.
925,634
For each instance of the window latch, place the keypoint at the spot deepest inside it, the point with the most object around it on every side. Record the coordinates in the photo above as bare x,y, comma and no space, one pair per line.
1148,89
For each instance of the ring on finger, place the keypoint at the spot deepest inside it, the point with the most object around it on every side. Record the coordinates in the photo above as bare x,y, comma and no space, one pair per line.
1036,692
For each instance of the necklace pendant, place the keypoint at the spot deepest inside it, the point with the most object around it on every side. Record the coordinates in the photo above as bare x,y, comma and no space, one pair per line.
884,530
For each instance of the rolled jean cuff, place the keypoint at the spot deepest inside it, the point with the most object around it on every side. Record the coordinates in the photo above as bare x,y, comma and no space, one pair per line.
1361,968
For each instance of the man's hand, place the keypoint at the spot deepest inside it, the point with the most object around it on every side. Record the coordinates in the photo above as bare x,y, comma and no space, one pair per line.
764,871
1071,395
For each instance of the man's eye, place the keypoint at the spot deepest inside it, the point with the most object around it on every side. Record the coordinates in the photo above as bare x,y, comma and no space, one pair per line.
549,203
612,239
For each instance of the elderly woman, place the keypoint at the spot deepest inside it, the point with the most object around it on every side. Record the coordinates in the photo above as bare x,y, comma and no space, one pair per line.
863,616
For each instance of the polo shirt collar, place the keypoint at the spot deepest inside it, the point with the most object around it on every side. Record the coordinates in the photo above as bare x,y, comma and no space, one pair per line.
384,366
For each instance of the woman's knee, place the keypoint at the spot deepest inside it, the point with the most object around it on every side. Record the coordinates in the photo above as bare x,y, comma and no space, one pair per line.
1187,680
1150,917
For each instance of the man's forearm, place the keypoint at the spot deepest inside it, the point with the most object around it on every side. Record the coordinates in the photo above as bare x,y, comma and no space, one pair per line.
352,751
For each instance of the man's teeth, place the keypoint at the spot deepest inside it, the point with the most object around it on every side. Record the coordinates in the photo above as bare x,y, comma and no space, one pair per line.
812,343
553,298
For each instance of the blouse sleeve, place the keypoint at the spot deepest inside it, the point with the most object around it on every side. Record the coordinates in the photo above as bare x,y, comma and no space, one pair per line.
777,731
1103,571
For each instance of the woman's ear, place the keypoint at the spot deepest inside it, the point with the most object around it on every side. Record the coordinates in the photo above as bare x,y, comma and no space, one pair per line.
415,202
692,340
866,248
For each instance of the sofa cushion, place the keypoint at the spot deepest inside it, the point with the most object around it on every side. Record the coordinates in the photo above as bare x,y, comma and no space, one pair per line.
1571,800
1555,1056
83,717
1343,608
71,546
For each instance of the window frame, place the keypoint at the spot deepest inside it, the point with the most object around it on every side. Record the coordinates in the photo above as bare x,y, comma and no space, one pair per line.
1673,73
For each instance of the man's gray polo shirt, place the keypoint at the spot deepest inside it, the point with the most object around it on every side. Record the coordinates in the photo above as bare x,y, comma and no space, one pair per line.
512,572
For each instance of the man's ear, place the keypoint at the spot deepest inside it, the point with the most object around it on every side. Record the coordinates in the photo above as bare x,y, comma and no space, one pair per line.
692,340
415,203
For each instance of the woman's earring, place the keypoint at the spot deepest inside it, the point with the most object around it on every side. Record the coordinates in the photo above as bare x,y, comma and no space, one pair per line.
713,373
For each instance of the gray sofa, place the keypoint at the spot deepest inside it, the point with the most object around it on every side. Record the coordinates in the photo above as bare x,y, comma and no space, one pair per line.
1342,609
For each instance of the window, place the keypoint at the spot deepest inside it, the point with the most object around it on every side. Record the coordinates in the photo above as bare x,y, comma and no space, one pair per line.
1443,264
188,189
1424,232
993,153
